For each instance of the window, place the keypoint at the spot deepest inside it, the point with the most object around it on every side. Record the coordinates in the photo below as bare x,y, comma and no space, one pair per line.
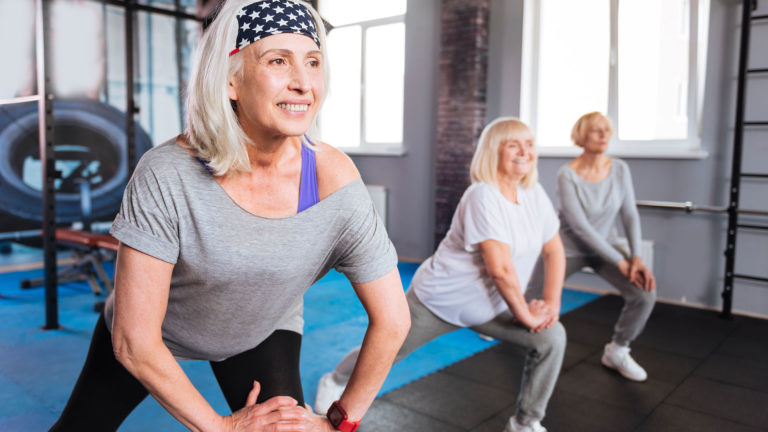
639,61
363,110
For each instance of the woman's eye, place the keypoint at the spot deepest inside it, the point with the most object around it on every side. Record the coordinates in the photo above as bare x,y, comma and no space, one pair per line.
277,61
314,63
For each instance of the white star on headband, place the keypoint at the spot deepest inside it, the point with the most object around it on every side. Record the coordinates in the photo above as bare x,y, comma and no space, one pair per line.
270,17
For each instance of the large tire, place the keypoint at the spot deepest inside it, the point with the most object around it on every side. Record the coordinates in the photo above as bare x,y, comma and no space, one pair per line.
90,145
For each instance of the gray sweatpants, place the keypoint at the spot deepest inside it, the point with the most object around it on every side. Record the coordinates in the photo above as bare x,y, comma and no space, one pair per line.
544,357
638,303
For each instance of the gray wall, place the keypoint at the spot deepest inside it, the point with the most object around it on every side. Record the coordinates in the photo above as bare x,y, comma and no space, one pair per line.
689,261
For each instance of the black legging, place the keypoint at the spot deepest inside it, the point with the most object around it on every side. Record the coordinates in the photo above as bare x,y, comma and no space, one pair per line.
105,392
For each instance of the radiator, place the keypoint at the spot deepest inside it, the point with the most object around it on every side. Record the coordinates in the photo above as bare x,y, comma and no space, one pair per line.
379,197
646,251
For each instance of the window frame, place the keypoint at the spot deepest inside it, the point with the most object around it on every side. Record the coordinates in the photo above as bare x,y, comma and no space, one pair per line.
365,147
688,148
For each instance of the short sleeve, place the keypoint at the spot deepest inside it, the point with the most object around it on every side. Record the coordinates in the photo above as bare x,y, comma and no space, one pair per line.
147,220
482,217
550,223
365,251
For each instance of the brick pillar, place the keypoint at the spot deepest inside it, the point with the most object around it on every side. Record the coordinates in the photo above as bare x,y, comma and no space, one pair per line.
461,101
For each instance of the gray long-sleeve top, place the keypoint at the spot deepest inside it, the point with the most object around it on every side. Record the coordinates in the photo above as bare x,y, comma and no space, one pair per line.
588,212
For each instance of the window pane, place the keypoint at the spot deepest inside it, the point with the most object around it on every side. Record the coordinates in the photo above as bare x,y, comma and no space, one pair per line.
18,69
574,49
341,12
339,119
186,6
384,70
653,69
77,48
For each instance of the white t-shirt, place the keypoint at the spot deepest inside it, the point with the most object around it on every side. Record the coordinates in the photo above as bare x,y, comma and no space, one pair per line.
453,283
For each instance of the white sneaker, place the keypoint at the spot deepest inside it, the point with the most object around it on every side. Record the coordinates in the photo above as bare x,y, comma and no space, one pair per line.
328,391
617,357
514,426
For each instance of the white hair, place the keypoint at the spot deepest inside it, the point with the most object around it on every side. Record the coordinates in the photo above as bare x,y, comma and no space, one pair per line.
213,129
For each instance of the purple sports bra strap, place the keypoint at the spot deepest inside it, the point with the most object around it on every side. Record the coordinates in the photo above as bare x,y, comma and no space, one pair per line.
308,195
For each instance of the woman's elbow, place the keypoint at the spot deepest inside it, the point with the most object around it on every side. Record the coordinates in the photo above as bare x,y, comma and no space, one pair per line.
128,351
404,326
400,325
499,274
120,347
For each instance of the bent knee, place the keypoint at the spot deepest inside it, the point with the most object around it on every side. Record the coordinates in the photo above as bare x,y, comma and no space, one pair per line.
642,297
553,337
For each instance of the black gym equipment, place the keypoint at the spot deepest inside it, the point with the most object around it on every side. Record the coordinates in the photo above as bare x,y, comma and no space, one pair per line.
90,147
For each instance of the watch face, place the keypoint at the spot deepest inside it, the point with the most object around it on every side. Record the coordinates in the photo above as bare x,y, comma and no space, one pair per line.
335,416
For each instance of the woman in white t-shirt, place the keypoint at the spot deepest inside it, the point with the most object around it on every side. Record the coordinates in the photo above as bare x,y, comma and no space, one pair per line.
478,275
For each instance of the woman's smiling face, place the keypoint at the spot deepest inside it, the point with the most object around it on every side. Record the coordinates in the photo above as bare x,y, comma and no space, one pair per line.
517,156
280,86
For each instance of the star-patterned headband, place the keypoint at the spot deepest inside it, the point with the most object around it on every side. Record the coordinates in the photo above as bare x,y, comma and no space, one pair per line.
266,18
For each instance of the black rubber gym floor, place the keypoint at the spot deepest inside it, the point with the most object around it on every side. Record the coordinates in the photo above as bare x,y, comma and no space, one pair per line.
705,374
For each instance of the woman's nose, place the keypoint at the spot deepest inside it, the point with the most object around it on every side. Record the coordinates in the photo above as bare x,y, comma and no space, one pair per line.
300,80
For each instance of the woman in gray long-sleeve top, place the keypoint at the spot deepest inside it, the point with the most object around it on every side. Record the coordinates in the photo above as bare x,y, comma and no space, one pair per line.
595,189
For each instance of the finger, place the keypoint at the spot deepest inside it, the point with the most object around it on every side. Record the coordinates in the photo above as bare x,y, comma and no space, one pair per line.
275,403
253,395
283,419
308,407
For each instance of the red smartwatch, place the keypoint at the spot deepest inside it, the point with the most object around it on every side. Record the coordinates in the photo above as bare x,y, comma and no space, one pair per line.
338,418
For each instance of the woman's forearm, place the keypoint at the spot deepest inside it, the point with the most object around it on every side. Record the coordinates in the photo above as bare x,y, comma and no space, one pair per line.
156,368
553,255
382,341
509,288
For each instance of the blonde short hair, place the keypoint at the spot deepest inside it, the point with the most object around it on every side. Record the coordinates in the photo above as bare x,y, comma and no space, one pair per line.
581,127
485,162
213,130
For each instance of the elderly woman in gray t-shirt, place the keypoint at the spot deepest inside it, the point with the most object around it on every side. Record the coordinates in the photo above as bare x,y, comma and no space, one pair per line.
223,228
594,190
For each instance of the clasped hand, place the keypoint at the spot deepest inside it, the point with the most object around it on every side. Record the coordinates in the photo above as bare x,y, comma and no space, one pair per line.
544,315
277,414
638,273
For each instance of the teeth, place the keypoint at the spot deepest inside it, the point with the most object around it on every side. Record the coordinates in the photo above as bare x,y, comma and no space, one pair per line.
293,107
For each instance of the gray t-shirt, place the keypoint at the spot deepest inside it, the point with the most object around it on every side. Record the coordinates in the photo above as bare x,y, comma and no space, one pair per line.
238,277
588,212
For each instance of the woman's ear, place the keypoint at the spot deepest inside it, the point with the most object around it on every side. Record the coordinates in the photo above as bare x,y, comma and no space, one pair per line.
232,89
